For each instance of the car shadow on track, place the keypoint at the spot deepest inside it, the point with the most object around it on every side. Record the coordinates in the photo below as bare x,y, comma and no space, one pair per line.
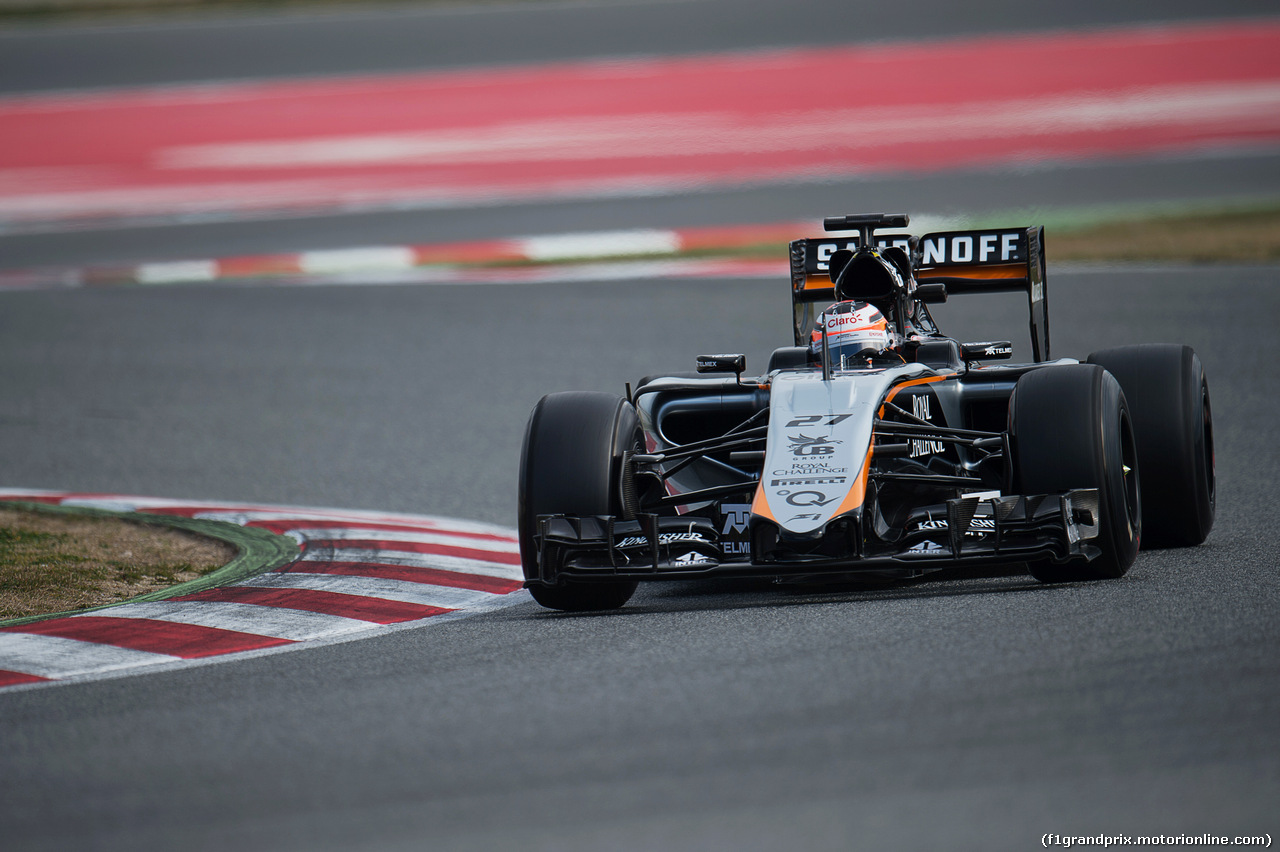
728,594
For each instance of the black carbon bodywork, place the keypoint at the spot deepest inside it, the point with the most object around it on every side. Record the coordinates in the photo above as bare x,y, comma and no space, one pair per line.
895,461
934,492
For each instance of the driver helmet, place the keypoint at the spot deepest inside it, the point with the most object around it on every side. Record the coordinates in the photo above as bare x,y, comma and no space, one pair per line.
854,330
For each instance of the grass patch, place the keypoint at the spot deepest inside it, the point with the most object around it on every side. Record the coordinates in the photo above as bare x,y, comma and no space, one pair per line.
1236,236
1213,236
53,563
1240,236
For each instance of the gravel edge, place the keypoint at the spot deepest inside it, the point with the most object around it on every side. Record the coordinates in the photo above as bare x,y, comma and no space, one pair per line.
260,551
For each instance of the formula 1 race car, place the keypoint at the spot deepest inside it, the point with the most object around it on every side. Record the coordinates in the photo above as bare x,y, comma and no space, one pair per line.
874,444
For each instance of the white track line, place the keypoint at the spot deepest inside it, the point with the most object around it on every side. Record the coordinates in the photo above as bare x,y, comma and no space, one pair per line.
293,624
406,559
57,657
445,597
405,537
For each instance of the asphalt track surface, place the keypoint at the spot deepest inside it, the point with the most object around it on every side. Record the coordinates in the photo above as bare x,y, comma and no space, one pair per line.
1203,179
36,58
971,713
962,713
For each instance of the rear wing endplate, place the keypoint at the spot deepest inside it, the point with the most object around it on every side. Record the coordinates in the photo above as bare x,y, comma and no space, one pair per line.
985,261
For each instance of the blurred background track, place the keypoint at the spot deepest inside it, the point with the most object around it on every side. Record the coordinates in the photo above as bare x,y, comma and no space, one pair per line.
336,162
639,127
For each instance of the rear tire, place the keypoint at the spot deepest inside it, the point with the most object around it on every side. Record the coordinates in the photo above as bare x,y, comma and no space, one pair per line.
1070,427
1168,394
571,464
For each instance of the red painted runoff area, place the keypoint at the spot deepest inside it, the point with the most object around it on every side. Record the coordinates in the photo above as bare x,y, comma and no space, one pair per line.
505,558
284,526
187,641
376,610
641,124
256,614
8,678
409,573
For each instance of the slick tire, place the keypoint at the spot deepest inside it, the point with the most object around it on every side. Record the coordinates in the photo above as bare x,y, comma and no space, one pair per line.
1168,395
571,464
1070,427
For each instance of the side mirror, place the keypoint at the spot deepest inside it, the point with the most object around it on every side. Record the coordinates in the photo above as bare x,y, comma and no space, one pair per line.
722,364
931,294
993,350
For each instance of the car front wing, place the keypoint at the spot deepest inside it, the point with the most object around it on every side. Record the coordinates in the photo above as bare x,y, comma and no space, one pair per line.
973,530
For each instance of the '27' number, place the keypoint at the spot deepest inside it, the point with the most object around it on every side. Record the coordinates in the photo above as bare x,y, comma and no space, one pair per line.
819,420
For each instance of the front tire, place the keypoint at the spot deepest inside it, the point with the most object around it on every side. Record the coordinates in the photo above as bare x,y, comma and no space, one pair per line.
571,464
1070,427
1168,393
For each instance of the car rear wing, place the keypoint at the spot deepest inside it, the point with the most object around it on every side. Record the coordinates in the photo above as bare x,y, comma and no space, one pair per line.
998,260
